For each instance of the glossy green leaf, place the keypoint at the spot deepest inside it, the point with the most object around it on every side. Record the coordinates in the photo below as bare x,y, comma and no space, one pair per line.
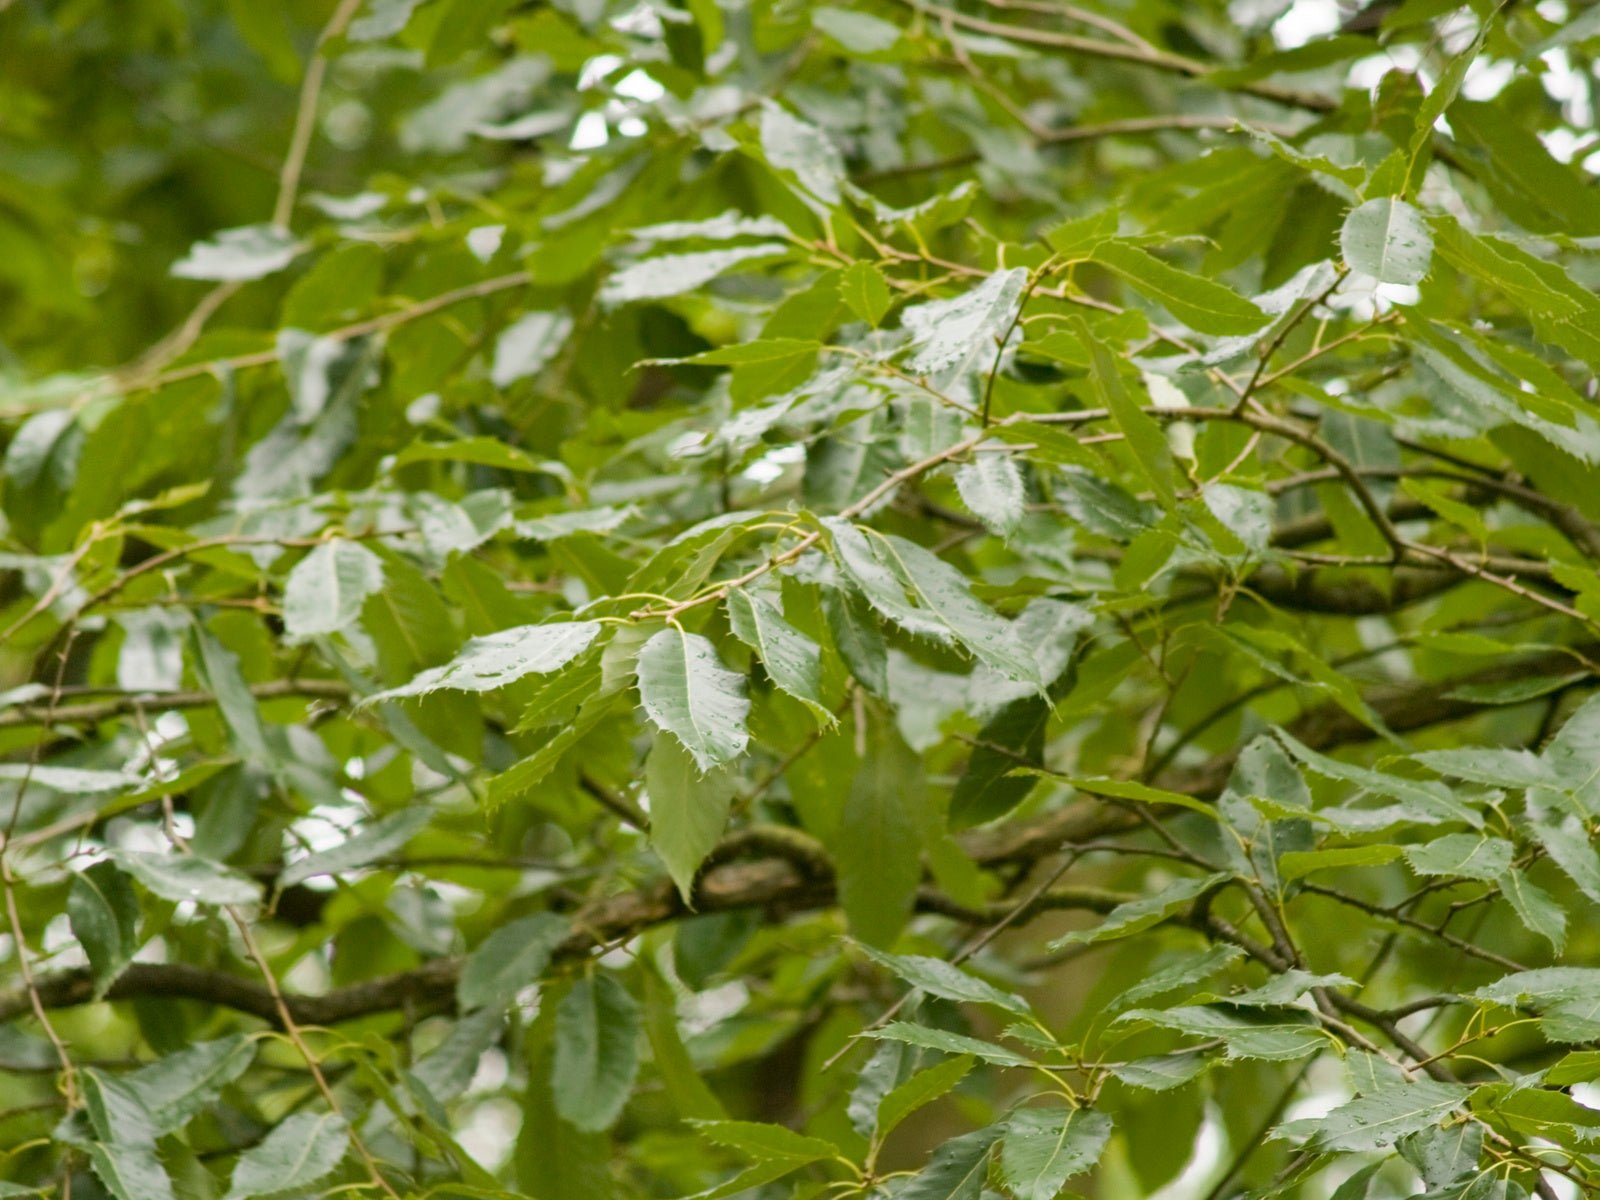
991,487
687,692
1389,240
792,659
1380,1118
1044,1147
498,659
327,588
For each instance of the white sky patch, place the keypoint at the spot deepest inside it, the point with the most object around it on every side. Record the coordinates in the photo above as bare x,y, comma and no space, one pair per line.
1305,21
642,21
596,69
491,1073
490,1132
688,444
323,827
770,466
636,85
632,127
590,133
1568,87
705,1010
1562,143
1487,78
485,240
1365,73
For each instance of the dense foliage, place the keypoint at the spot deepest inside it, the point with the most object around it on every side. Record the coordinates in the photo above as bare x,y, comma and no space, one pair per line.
929,599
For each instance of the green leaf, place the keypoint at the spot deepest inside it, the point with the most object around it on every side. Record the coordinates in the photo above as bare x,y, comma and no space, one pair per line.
447,1069
950,1043
181,877
1132,789
802,151
130,1172
862,285
484,451
939,978
1380,1118
1565,840
376,840
1389,240
115,1111
1296,864
877,853
1203,305
926,596
673,274
991,487
528,345
518,780
1138,915
1580,1066
173,1090
1564,996
498,659
992,785
964,331
1145,438
1045,1147
957,1169
1281,990
690,1094
1536,908
921,1089
302,1150
239,255
1463,854
687,692
1180,974
858,32
766,1143
1497,768
327,588
596,1052
1162,1072
858,639
793,661
749,1180
1283,1035
508,960
688,809
104,914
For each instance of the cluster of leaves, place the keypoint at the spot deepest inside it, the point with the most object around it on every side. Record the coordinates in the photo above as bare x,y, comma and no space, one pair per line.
896,599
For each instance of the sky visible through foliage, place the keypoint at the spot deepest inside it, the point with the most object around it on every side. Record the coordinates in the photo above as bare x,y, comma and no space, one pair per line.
882,600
